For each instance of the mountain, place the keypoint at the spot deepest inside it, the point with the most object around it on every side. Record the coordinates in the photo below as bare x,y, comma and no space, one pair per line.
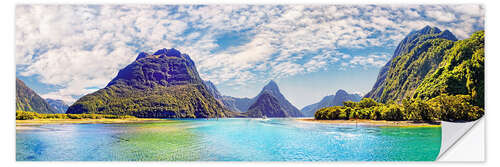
59,105
430,62
242,105
29,100
461,71
164,84
273,90
213,90
237,104
407,45
266,105
328,101
234,104
309,110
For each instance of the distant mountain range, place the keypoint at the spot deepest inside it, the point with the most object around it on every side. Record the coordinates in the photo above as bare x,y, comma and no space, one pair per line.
29,100
243,105
59,105
232,103
430,62
328,101
164,84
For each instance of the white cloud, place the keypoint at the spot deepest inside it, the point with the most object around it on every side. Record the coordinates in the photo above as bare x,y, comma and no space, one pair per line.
441,16
374,60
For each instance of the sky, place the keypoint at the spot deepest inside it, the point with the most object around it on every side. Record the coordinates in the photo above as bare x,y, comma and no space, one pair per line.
311,51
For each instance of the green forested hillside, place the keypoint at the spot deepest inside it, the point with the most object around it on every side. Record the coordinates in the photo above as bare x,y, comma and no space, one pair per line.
409,70
438,79
29,100
437,66
460,72
414,44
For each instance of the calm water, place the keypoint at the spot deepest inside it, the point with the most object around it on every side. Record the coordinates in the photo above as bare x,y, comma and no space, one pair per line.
226,140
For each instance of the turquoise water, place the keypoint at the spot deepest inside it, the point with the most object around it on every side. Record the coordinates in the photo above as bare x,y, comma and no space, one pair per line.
226,140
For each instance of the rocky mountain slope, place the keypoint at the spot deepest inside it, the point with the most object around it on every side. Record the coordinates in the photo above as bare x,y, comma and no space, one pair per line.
267,105
165,84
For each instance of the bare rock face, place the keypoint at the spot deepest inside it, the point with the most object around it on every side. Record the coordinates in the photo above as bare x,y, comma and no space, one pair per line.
164,68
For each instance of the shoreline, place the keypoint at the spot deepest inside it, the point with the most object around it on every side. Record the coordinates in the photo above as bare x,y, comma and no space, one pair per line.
373,122
86,121
26,124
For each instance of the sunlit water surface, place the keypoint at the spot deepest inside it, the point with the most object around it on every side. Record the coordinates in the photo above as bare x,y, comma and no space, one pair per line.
226,140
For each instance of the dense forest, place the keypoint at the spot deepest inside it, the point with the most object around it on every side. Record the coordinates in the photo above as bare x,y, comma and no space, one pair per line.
443,107
438,79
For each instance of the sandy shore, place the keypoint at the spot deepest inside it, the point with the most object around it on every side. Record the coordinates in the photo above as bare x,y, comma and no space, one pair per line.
374,122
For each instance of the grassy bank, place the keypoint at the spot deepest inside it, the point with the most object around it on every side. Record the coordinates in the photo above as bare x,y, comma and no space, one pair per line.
33,118
86,121
26,115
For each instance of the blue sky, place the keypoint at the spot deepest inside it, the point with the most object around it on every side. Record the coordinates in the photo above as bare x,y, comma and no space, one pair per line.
66,51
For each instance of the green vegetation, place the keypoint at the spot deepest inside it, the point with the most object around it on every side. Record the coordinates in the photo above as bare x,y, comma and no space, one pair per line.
29,100
180,101
437,79
443,107
460,72
435,66
27,115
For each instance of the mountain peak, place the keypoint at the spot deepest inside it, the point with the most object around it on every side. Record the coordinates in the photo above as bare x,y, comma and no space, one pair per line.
168,52
435,31
142,55
267,105
271,86
429,30
341,92
165,67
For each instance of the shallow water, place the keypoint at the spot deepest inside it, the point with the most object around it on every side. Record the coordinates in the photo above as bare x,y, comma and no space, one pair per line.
226,140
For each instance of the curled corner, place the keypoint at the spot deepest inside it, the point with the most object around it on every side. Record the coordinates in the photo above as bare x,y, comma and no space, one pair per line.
451,132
